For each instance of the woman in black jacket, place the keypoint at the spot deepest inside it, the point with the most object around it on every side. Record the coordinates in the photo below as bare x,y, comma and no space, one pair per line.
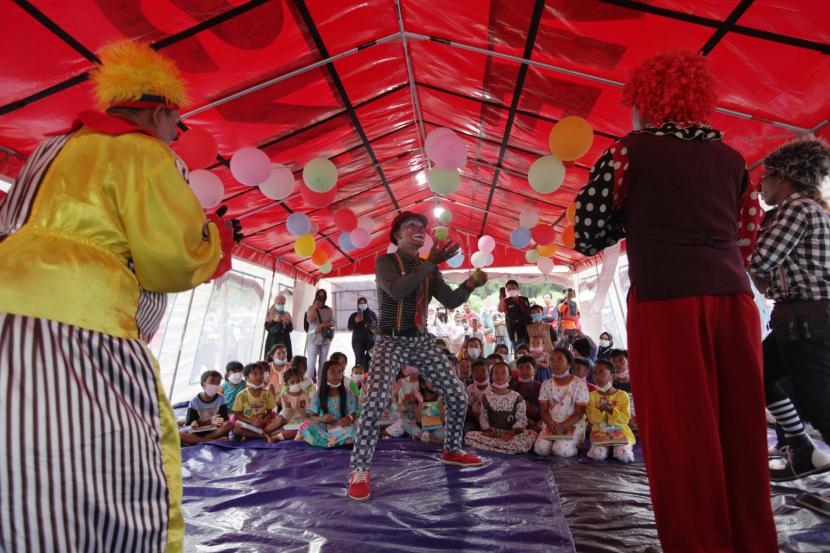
363,324
278,325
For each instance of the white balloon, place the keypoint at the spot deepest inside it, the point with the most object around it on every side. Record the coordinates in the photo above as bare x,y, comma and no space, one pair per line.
366,222
486,243
207,187
545,264
528,218
479,260
490,259
280,184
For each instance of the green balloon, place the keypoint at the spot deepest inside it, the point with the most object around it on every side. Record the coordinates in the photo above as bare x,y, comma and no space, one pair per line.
320,175
442,181
325,268
441,233
532,256
445,217
546,174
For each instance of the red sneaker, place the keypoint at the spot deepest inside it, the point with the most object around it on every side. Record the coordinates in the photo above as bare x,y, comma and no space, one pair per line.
359,485
460,458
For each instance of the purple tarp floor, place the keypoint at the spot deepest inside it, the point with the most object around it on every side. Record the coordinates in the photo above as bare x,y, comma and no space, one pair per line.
290,497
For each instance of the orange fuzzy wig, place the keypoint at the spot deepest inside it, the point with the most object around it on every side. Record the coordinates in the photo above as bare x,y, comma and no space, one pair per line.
674,86
132,74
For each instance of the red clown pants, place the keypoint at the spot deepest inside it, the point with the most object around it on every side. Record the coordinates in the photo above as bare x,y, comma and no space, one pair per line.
696,377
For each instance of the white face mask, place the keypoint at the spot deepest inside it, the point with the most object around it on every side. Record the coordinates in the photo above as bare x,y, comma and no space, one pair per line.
235,378
211,389
485,383
357,378
295,388
538,349
279,362
606,387
561,376
604,343
473,353
513,293
362,306
499,386
333,384
256,386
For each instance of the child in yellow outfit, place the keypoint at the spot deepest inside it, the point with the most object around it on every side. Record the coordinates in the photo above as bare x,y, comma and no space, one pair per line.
608,411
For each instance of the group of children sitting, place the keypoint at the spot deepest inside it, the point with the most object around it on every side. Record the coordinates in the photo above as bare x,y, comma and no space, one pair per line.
542,401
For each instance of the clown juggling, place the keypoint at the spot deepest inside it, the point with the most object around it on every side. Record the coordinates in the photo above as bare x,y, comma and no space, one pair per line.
99,225
682,199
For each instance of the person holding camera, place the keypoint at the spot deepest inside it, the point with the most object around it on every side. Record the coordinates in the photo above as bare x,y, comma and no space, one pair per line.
363,323
568,314
320,329
791,264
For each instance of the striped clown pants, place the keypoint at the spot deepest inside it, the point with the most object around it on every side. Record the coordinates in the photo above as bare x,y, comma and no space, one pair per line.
389,356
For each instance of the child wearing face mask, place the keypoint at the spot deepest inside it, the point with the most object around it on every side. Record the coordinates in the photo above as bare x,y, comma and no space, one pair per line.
254,406
295,404
475,392
277,363
332,411
540,355
581,369
562,401
233,384
503,418
358,376
472,349
301,362
207,413
527,386
608,412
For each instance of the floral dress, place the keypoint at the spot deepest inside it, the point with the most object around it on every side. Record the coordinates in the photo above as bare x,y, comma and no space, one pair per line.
502,413
318,434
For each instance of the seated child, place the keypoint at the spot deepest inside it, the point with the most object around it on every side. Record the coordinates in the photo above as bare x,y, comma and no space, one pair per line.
429,415
619,357
475,391
234,382
254,406
207,413
492,359
581,369
358,377
332,411
417,405
537,351
562,401
295,404
608,413
340,358
521,351
528,388
502,350
277,363
503,418
300,362
465,371
390,421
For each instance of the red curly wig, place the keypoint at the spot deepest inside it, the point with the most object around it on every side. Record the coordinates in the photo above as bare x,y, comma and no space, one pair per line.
674,86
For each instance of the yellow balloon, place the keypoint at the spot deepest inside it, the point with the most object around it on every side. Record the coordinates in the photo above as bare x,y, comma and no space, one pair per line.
571,138
570,213
547,250
304,245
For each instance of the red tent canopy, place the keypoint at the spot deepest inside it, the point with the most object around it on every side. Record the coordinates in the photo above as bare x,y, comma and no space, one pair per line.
362,82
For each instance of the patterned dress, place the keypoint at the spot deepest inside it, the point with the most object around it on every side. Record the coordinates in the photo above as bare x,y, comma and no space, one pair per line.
503,414
318,434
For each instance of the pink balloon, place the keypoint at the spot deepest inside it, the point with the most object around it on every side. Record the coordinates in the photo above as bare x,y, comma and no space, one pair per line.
434,135
280,184
360,237
449,152
250,166
486,244
207,187
345,220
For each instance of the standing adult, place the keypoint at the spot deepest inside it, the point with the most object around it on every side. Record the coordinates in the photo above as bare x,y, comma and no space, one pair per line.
568,314
549,312
91,447
675,191
363,323
320,329
443,326
278,325
405,286
468,314
487,327
458,332
500,330
516,310
791,265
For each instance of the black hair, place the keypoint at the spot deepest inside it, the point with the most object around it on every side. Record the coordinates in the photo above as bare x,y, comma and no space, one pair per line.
297,360
210,374
273,350
441,342
359,366
422,387
605,363
451,358
290,373
249,368
617,352
470,339
511,281
233,367
478,363
501,346
569,357
584,361
324,390
582,346
520,346
526,359
536,306
337,355
361,298
495,356
502,363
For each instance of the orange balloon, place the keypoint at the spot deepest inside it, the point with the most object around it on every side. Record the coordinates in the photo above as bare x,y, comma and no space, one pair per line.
570,213
571,138
568,237
546,250
319,257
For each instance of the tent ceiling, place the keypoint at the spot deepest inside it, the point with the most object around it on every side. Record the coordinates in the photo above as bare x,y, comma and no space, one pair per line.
361,82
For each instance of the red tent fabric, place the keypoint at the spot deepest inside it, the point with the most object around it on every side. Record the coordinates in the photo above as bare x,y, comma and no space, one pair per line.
361,82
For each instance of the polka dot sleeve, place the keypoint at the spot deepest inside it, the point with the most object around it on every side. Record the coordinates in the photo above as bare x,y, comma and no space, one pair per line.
596,225
749,219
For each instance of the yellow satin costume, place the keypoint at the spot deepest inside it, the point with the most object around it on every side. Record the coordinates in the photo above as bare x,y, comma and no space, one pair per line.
105,202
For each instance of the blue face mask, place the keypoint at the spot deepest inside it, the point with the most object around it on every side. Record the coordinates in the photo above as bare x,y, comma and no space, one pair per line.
280,308
537,317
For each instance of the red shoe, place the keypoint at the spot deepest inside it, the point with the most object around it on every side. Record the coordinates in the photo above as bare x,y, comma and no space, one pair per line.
460,458
359,485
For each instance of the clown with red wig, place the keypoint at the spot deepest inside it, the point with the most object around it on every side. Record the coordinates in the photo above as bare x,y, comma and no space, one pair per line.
682,199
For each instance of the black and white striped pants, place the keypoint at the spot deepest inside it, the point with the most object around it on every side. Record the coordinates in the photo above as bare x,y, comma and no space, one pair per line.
89,454
389,355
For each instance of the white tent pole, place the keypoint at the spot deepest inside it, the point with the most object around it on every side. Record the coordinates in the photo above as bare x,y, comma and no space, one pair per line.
181,345
412,88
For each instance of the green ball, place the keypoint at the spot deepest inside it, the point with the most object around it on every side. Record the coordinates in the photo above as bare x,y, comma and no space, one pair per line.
445,217
531,256
320,175
546,174
441,233
442,181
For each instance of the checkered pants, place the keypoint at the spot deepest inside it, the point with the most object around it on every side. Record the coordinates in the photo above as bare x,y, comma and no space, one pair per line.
389,355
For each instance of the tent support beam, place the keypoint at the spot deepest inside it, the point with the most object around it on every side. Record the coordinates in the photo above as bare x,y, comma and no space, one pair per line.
411,75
